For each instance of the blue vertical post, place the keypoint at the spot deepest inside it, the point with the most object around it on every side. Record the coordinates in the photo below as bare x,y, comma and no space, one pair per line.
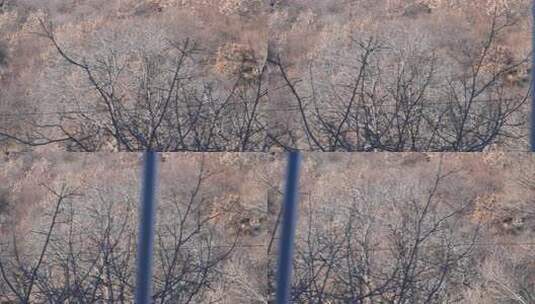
146,229
287,235
532,130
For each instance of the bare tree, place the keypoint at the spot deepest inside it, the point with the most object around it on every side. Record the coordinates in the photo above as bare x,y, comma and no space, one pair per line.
88,255
392,98
160,104
407,250
403,100
21,273
188,258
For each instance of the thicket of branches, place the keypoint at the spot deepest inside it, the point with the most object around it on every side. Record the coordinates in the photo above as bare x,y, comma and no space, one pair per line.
410,97
144,100
405,250
402,242
392,98
83,250
423,236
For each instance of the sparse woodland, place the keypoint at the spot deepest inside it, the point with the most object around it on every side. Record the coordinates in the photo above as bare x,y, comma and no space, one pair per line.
254,76
267,76
373,228
77,244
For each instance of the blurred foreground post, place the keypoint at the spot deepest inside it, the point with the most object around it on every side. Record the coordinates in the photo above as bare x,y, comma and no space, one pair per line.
146,229
532,118
287,234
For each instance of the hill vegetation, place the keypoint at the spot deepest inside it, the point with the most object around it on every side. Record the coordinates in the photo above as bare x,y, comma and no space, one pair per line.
256,75
373,228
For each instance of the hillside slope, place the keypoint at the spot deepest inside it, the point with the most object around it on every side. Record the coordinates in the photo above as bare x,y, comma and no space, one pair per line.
278,74
367,209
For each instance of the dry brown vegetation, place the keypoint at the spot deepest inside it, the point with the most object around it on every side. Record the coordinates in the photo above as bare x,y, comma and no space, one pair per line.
252,75
265,76
373,228
209,238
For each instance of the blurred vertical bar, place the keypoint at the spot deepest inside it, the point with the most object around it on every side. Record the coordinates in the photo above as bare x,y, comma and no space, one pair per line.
146,229
532,118
289,220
